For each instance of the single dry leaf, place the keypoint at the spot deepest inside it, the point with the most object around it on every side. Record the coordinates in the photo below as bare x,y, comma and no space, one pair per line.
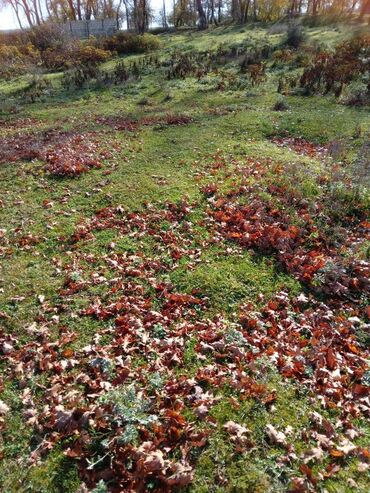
3,408
154,461
182,474
235,429
313,454
275,436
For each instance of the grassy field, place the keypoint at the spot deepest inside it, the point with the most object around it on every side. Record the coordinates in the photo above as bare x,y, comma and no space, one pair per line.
136,286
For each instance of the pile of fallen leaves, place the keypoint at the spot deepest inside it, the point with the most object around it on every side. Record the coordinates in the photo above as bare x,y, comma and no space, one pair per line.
79,154
300,146
66,153
128,124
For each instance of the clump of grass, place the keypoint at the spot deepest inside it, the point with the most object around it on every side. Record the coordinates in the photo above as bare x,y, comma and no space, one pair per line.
295,36
281,105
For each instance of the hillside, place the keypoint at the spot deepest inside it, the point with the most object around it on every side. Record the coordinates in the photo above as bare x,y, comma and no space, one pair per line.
184,277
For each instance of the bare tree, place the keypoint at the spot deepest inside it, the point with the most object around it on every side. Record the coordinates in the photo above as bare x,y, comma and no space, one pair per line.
202,18
16,8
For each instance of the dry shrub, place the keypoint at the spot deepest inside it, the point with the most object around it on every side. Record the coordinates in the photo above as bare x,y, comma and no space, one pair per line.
124,43
17,60
332,71
74,54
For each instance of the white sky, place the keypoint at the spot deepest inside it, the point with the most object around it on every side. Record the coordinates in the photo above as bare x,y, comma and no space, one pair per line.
6,19
9,21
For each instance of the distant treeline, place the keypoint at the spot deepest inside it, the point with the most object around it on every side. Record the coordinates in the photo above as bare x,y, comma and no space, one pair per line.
137,15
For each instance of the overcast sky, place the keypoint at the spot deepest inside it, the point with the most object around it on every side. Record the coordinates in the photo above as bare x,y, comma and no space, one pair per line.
8,20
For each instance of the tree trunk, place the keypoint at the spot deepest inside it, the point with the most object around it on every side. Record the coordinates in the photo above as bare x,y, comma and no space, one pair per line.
244,18
36,12
79,12
219,11
212,13
314,7
255,15
202,16
118,12
72,10
165,25
47,8
27,13
40,10
15,6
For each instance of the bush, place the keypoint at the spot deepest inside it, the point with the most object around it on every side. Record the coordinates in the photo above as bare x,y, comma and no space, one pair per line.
79,76
278,28
47,37
257,73
331,72
182,65
55,60
295,36
283,56
74,54
161,30
124,43
87,54
38,87
357,93
281,105
46,46
16,60
287,84
120,73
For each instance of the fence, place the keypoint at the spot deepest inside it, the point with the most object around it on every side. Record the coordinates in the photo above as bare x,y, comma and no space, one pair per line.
84,29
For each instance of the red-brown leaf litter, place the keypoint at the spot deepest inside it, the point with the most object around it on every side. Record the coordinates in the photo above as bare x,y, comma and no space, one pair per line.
147,437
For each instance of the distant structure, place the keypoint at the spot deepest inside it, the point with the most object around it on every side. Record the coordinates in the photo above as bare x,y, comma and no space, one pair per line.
85,29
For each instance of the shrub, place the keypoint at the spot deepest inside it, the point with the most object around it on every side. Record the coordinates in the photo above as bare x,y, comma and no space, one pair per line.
37,88
55,60
124,43
16,60
295,36
120,73
47,46
278,28
182,65
281,105
74,54
11,61
90,55
79,76
253,55
357,93
287,83
332,71
47,37
251,58
257,73
282,56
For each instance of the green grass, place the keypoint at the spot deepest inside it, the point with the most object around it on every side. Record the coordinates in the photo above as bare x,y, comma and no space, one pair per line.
227,280
160,164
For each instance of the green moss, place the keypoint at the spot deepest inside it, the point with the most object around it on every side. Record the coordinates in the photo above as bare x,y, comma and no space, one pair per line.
227,280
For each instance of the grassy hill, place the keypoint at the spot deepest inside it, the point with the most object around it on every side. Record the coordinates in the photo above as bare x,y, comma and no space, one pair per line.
184,297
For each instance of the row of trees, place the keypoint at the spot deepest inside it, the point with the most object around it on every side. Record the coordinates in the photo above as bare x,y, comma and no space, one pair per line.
137,14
